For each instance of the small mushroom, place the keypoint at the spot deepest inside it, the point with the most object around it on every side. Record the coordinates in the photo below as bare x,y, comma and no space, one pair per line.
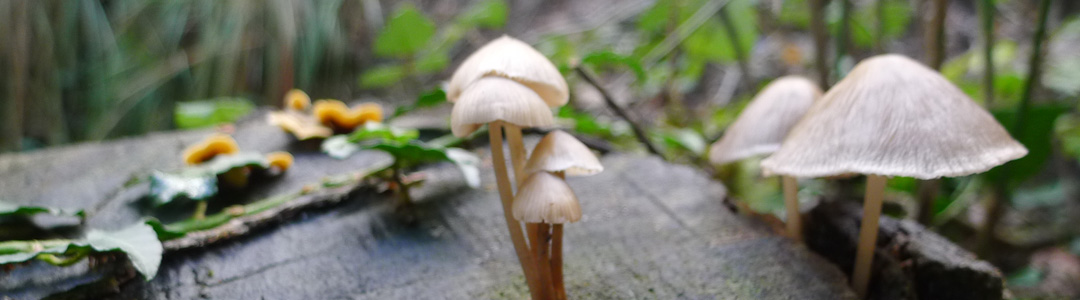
891,116
296,99
762,126
547,202
559,151
209,148
562,155
511,58
501,102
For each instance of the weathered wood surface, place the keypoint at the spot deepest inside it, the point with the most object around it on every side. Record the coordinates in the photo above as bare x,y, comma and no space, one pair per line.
650,230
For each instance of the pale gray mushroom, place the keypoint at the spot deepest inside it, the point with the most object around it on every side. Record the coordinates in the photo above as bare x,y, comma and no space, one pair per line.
761,128
891,116
559,151
511,58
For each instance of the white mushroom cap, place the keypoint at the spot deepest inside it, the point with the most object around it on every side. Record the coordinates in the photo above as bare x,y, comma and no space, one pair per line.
514,59
764,123
546,198
559,151
492,99
892,116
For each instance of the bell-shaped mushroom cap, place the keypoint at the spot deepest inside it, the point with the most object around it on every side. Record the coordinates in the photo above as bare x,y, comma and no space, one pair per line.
495,98
514,59
559,151
892,116
764,123
546,198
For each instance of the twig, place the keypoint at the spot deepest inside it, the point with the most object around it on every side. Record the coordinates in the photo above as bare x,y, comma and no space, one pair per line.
1003,192
817,26
281,208
935,35
986,17
638,132
682,32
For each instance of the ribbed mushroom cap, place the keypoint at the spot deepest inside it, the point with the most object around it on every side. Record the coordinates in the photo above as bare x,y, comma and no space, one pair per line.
764,123
892,116
510,58
559,151
495,98
546,198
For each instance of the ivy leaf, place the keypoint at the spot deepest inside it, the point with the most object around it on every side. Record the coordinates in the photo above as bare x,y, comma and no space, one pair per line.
606,59
164,232
382,76
196,114
485,14
139,242
432,62
468,163
339,147
200,182
1036,137
165,187
1067,130
411,154
11,209
383,133
406,33
430,98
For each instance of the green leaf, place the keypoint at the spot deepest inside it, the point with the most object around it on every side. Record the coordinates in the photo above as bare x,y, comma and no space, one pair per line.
685,138
11,209
166,187
584,122
164,232
200,182
139,242
1067,130
1026,277
339,146
383,133
485,14
34,248
382,76
607,59
1036,137
468,163
406,33
432,62
430,98
196,114
412,153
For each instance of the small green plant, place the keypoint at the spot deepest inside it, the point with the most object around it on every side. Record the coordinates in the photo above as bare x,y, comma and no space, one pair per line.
138,242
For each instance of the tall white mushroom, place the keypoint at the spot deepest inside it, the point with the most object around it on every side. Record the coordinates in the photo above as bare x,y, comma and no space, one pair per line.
500,102
891,116
562,155
518,63
762,126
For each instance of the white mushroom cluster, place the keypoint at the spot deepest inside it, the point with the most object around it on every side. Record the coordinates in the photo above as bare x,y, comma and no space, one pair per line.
508,85
891,116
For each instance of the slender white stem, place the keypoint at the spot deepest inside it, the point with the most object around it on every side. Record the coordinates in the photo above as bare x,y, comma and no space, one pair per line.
864,255
502,179
791,204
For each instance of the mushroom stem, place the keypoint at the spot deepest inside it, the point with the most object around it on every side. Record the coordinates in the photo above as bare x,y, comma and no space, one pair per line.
556,261
543,259
868,231
791,204
507,195
533,230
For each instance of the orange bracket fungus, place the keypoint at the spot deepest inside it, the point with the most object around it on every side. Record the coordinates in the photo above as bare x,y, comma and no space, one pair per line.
761,128
891,116
508,85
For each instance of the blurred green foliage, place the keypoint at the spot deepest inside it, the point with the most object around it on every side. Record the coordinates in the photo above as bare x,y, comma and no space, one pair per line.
196,114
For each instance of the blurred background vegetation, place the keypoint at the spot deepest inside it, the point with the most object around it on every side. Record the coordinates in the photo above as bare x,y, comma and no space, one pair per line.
87,70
